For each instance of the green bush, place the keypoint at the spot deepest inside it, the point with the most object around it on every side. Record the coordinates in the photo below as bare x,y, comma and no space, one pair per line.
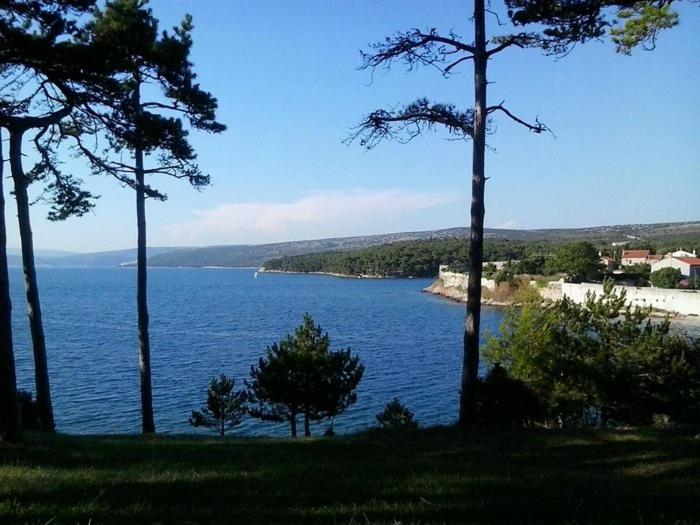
600,363
578,260
396,416
504,401
666,278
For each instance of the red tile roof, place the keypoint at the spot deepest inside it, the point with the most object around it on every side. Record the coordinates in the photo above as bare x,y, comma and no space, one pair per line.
692,261
635,254
655,257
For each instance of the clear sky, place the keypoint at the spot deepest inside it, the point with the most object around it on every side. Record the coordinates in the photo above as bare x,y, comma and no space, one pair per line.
285,74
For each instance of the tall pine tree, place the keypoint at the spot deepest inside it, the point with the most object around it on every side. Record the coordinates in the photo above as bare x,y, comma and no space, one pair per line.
43,69
144,62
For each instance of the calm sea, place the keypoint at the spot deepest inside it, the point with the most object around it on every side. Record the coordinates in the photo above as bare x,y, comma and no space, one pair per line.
207,321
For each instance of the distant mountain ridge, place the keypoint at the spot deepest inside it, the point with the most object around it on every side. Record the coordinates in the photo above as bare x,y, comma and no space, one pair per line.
256,255
241,255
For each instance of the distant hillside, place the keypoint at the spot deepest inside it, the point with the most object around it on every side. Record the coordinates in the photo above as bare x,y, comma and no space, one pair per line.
257,255
95,259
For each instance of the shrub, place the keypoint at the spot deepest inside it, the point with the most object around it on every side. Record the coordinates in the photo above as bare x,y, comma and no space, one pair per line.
396,416
225,406
504,401
666,278
600,363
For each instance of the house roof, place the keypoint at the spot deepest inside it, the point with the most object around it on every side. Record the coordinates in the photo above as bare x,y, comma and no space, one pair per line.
635,254
655,257
692,261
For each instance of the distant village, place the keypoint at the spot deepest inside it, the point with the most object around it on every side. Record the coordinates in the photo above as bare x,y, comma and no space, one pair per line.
688,263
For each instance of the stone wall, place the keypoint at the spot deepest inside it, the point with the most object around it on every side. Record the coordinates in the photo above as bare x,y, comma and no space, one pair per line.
684,302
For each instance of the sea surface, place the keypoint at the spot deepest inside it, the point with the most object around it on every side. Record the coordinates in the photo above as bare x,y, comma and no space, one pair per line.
207,321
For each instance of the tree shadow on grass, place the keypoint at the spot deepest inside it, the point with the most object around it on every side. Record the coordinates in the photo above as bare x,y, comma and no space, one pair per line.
437,475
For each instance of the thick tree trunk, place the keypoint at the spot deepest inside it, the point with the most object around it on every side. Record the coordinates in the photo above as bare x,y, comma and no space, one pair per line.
293,424
147,423
307,425
470,364
9,413
41,369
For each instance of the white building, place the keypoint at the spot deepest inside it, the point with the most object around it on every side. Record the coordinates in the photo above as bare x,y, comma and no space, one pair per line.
689,266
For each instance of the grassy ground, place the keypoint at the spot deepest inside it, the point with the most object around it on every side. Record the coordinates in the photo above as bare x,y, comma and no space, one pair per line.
426,476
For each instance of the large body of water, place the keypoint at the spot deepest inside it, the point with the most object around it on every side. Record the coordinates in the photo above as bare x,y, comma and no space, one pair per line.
207,321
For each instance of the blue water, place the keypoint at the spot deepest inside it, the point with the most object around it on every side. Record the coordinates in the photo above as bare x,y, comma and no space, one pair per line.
207,321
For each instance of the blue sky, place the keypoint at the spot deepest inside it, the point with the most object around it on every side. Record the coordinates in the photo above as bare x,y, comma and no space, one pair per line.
285,74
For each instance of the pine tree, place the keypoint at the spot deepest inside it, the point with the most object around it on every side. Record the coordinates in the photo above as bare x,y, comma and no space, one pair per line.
126,36
446,53
44,70
300,375
225,407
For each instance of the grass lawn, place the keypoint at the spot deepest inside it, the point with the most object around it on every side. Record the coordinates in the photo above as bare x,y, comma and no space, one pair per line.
438,475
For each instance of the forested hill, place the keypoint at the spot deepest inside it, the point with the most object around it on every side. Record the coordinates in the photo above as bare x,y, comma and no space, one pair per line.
675,234
423,258
257,255
404,259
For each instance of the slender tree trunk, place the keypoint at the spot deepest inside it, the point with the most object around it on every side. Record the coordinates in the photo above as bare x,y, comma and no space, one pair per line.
9,413
307,424
222,428
41,369
147,423
470,364
293,424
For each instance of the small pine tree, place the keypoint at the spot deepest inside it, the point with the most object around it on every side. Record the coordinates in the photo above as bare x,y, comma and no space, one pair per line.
395,416
225,406
301,376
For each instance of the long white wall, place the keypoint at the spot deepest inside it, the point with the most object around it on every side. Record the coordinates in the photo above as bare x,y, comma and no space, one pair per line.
684,302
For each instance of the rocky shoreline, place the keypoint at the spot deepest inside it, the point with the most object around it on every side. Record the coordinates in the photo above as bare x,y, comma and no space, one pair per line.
460,294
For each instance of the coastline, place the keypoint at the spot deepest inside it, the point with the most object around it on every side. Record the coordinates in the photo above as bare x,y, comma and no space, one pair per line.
459,295
331,274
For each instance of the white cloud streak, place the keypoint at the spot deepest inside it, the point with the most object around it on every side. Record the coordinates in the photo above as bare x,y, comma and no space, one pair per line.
322,214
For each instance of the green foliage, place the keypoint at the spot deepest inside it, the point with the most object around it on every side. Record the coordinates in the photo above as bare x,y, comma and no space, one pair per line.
578,260
600,362
395,416
407,259
639,272
666,278
569,22
504,401
640,24
300,375
531,265
422,258
46,70
141,60
225,407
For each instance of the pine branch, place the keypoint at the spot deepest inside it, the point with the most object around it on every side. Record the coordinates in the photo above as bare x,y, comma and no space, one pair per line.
537,127
410,121
418,48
